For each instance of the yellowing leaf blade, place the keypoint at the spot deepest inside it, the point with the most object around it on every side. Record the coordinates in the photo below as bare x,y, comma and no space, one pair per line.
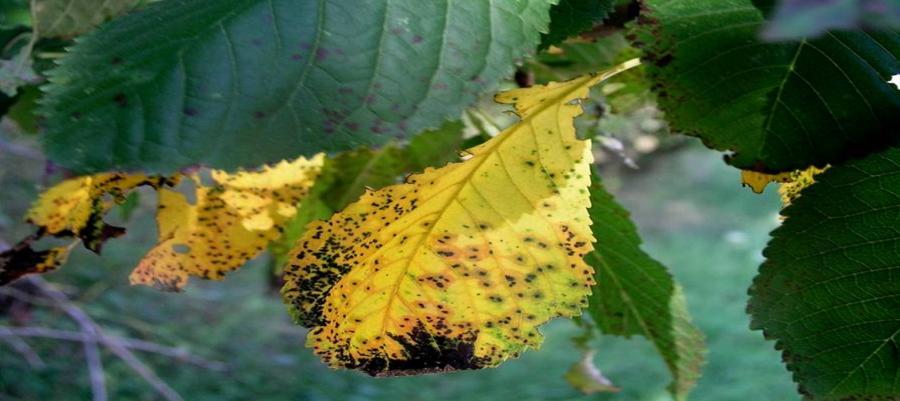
458,266
77,206
23,259
230,223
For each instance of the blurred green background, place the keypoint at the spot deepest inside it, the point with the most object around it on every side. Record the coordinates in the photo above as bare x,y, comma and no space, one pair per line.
690,208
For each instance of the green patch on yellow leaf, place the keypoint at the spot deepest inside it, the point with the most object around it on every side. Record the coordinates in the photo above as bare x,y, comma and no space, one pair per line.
457,267
230,223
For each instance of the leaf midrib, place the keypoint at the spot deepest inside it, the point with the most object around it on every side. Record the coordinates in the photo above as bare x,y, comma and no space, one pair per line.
484,155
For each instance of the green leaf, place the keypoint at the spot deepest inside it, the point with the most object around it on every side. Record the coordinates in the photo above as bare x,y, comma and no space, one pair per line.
796,19
69,18
231,83
22,111
635,294
571,17
829,291
14,13
777,106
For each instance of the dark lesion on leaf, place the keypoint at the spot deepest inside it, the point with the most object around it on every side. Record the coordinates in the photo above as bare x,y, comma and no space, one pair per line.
23,259
424,352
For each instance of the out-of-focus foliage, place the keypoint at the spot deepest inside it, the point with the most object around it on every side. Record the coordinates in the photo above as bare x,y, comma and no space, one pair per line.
799,19
69,18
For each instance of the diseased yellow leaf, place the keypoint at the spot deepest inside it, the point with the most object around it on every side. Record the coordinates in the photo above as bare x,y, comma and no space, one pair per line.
792,182
271,194
23,259
77,206
759,181
229,224
458,266
799,180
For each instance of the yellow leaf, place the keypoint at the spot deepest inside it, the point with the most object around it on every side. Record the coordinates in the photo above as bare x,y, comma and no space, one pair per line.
792,182
77,206
458,266
759,181
799,180
229,224
272,194
23,259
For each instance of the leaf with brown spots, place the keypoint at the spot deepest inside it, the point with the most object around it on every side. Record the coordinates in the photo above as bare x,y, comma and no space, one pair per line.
230,223
23,259
457,267
76,206
792,182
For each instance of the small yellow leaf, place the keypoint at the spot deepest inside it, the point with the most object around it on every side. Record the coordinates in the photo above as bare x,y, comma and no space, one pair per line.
792,182
77,206
458,266
230,223
759,181
799,180
23,259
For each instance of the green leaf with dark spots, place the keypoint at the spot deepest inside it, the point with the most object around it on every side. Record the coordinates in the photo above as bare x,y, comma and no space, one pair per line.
829,290
775,106
229,83
636,295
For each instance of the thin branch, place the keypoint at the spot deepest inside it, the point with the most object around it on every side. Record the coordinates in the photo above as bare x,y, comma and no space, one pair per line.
22,347
25,297
95,368
179,354
117,348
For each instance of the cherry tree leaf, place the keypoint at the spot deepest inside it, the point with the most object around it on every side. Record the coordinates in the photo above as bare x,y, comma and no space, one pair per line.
458,266
77,206
828,290
237,83
24,259
230,223
636,295
775,107
72,210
